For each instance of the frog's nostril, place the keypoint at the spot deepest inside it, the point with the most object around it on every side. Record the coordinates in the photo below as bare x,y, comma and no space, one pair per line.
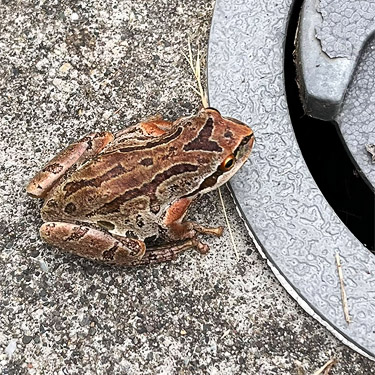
235,121
70,208
212,109
247,139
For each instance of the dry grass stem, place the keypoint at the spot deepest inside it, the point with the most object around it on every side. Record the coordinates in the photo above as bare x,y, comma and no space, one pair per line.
197,74
118,110
324,370
299,367
204,99
228,225
194,89
342,287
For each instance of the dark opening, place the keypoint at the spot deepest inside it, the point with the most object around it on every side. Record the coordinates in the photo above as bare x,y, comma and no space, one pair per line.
326,155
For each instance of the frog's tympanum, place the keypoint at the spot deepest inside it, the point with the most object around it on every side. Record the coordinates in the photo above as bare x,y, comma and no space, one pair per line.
107,196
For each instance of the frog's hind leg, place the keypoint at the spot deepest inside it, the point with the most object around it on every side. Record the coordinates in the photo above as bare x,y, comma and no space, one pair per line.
156,126
101,246
74,154
92,243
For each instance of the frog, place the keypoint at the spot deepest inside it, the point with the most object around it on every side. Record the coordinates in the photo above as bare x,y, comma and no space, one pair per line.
122,198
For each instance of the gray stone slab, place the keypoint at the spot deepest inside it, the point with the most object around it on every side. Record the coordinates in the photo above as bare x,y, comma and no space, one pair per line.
290,219
59,314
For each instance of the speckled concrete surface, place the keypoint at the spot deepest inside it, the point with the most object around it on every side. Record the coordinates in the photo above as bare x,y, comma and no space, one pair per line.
69,68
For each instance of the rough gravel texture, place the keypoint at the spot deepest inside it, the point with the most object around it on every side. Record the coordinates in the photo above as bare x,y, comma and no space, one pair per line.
69,68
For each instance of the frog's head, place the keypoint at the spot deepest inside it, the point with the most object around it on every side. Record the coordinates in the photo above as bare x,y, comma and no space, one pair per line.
234,137
227,141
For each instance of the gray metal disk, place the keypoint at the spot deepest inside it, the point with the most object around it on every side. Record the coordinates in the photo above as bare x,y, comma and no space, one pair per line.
356,118
287,215
336,65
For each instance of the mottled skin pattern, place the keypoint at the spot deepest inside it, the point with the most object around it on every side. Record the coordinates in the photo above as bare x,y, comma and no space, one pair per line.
105,195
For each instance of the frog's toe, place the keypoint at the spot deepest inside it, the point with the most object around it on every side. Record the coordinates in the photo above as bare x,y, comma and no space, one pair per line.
170,251
92,243
212,231
200,246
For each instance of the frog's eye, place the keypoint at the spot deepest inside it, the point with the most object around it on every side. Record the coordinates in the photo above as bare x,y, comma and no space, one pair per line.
228,163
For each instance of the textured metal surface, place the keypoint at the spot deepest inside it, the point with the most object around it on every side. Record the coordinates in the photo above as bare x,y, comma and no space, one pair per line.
345,26
297,229
323,80
331,36
331,52
356,118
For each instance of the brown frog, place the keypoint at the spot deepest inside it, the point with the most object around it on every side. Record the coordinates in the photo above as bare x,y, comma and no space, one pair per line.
106,196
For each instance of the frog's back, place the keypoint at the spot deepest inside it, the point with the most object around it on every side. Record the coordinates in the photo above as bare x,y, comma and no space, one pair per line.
130,183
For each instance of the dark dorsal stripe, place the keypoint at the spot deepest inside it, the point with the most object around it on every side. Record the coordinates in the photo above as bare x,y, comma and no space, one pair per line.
207,183
148,189
147,162
72,187
202,141
155,143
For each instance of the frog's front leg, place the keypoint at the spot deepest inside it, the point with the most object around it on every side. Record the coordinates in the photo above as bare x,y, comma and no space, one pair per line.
179,230
76,153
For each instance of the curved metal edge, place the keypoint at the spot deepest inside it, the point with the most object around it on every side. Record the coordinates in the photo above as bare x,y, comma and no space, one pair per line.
354,161
323,80
305,304
361,168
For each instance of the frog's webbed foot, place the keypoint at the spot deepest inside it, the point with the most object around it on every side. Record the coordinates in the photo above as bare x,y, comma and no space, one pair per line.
168,252
189,230
179,230
92,243
212,231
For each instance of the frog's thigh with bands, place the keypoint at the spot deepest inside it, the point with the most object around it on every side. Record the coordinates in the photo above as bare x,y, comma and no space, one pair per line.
156,127
76,153
92,243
